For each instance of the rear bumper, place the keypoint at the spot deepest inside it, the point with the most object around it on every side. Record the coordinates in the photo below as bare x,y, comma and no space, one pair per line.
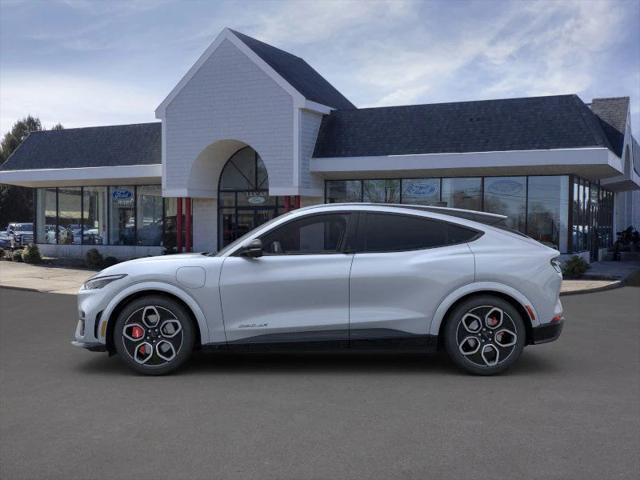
547,332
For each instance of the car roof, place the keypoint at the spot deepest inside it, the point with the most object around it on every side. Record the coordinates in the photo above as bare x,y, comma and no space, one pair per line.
473,215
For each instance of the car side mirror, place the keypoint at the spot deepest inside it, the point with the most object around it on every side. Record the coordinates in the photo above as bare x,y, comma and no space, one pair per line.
253,249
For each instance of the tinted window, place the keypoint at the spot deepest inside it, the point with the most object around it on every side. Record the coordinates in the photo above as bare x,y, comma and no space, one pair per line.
313,234
393,233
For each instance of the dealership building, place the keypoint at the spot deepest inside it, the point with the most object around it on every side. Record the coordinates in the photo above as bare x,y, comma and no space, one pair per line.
252,131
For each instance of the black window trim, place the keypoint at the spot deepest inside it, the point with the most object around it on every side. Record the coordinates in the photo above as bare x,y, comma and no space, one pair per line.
349,230
361,241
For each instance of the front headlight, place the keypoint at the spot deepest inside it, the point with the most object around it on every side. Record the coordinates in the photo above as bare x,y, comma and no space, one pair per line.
99,282
555,263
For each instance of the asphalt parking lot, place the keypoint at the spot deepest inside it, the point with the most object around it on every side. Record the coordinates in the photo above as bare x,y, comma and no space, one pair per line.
568,410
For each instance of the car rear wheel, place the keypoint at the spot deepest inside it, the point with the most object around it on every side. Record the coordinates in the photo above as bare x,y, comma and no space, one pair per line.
154,335
484,335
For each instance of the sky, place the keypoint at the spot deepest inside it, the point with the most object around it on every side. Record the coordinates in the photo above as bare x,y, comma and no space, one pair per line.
86,63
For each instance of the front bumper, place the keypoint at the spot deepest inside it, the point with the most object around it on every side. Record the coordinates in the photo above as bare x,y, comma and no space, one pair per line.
547,332
91,346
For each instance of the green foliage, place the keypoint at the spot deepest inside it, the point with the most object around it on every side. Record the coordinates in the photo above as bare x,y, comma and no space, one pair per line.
16,256
16,203
575,266
94,259
109,261
31,254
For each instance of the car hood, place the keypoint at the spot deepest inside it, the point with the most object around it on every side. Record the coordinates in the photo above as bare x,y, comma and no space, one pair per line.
180,259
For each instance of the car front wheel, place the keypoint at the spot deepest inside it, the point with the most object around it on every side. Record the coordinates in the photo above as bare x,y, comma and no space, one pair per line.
154,335
484,335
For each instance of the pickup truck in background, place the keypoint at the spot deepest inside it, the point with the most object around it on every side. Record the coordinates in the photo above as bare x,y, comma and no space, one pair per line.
18,235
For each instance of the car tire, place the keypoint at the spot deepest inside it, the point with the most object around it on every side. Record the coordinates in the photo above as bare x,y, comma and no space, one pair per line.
154,335
484,335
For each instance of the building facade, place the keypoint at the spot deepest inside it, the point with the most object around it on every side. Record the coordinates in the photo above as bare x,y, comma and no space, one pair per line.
252,131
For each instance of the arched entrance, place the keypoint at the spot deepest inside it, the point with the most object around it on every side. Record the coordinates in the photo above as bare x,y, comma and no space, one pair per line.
243,196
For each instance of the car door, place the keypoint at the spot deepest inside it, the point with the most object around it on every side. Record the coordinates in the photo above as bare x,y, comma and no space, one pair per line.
404,267
298,290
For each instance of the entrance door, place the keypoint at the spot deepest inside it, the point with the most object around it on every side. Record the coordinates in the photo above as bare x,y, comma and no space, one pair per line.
243,196
297,291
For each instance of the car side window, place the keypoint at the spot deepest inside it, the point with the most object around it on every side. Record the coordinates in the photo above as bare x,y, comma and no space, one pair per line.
384,232
308,235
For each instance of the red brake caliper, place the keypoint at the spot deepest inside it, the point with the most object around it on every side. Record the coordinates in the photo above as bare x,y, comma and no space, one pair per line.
137,332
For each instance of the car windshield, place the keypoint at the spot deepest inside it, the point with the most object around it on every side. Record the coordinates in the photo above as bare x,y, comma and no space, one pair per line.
23,227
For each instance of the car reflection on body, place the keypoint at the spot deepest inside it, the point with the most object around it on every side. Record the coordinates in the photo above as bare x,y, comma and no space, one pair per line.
335,276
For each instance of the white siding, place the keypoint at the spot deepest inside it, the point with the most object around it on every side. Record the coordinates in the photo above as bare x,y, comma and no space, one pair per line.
229,97
309,127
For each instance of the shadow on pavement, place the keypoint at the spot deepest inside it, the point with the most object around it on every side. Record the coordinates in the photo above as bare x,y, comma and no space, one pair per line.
321,363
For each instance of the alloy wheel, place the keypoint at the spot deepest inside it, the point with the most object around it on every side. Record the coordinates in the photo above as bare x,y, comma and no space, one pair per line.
152,336
486,336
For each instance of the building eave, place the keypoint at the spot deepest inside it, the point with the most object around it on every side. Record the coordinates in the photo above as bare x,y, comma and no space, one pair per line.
84,176
593,163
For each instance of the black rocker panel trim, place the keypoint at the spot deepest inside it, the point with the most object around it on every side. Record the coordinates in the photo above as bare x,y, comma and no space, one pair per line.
369,339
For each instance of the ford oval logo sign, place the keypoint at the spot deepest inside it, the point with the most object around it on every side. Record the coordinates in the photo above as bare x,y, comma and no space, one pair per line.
122,194
421,189
505,187
256,200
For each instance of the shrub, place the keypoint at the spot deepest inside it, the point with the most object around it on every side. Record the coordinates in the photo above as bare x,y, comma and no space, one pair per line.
93,258
1,253
16,256
31,254
109,261
575,266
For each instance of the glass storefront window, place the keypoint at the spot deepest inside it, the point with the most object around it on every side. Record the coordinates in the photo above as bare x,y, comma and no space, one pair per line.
462,193
381,191
149,215
94,215
122,220
421,191
507,196
547,218
46,215
69,216
340,191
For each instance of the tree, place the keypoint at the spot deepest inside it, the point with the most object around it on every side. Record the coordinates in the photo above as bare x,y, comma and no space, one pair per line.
16,203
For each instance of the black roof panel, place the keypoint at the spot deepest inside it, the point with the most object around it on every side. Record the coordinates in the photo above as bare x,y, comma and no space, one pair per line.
532,123
298,73
114,145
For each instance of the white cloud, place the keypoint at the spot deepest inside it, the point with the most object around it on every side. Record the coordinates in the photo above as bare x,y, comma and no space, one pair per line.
73,101
315,21
534,48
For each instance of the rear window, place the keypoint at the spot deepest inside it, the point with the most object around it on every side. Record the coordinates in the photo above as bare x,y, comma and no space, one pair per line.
389,232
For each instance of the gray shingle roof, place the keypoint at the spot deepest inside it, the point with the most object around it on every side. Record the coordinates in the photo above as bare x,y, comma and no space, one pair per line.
298,73
115,145
532,123
612,113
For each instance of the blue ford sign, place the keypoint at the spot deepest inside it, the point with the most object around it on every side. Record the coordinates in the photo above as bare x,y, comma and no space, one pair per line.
505,187
121,194
421,189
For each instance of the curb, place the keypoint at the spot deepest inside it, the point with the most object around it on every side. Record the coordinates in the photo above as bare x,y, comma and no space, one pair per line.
612,286
26,289
29,289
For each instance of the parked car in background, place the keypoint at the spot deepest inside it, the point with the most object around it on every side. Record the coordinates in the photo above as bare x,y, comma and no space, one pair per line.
5,242
339,275
19,234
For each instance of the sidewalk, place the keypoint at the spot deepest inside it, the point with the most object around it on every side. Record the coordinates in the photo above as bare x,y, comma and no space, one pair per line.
42,279
601,276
